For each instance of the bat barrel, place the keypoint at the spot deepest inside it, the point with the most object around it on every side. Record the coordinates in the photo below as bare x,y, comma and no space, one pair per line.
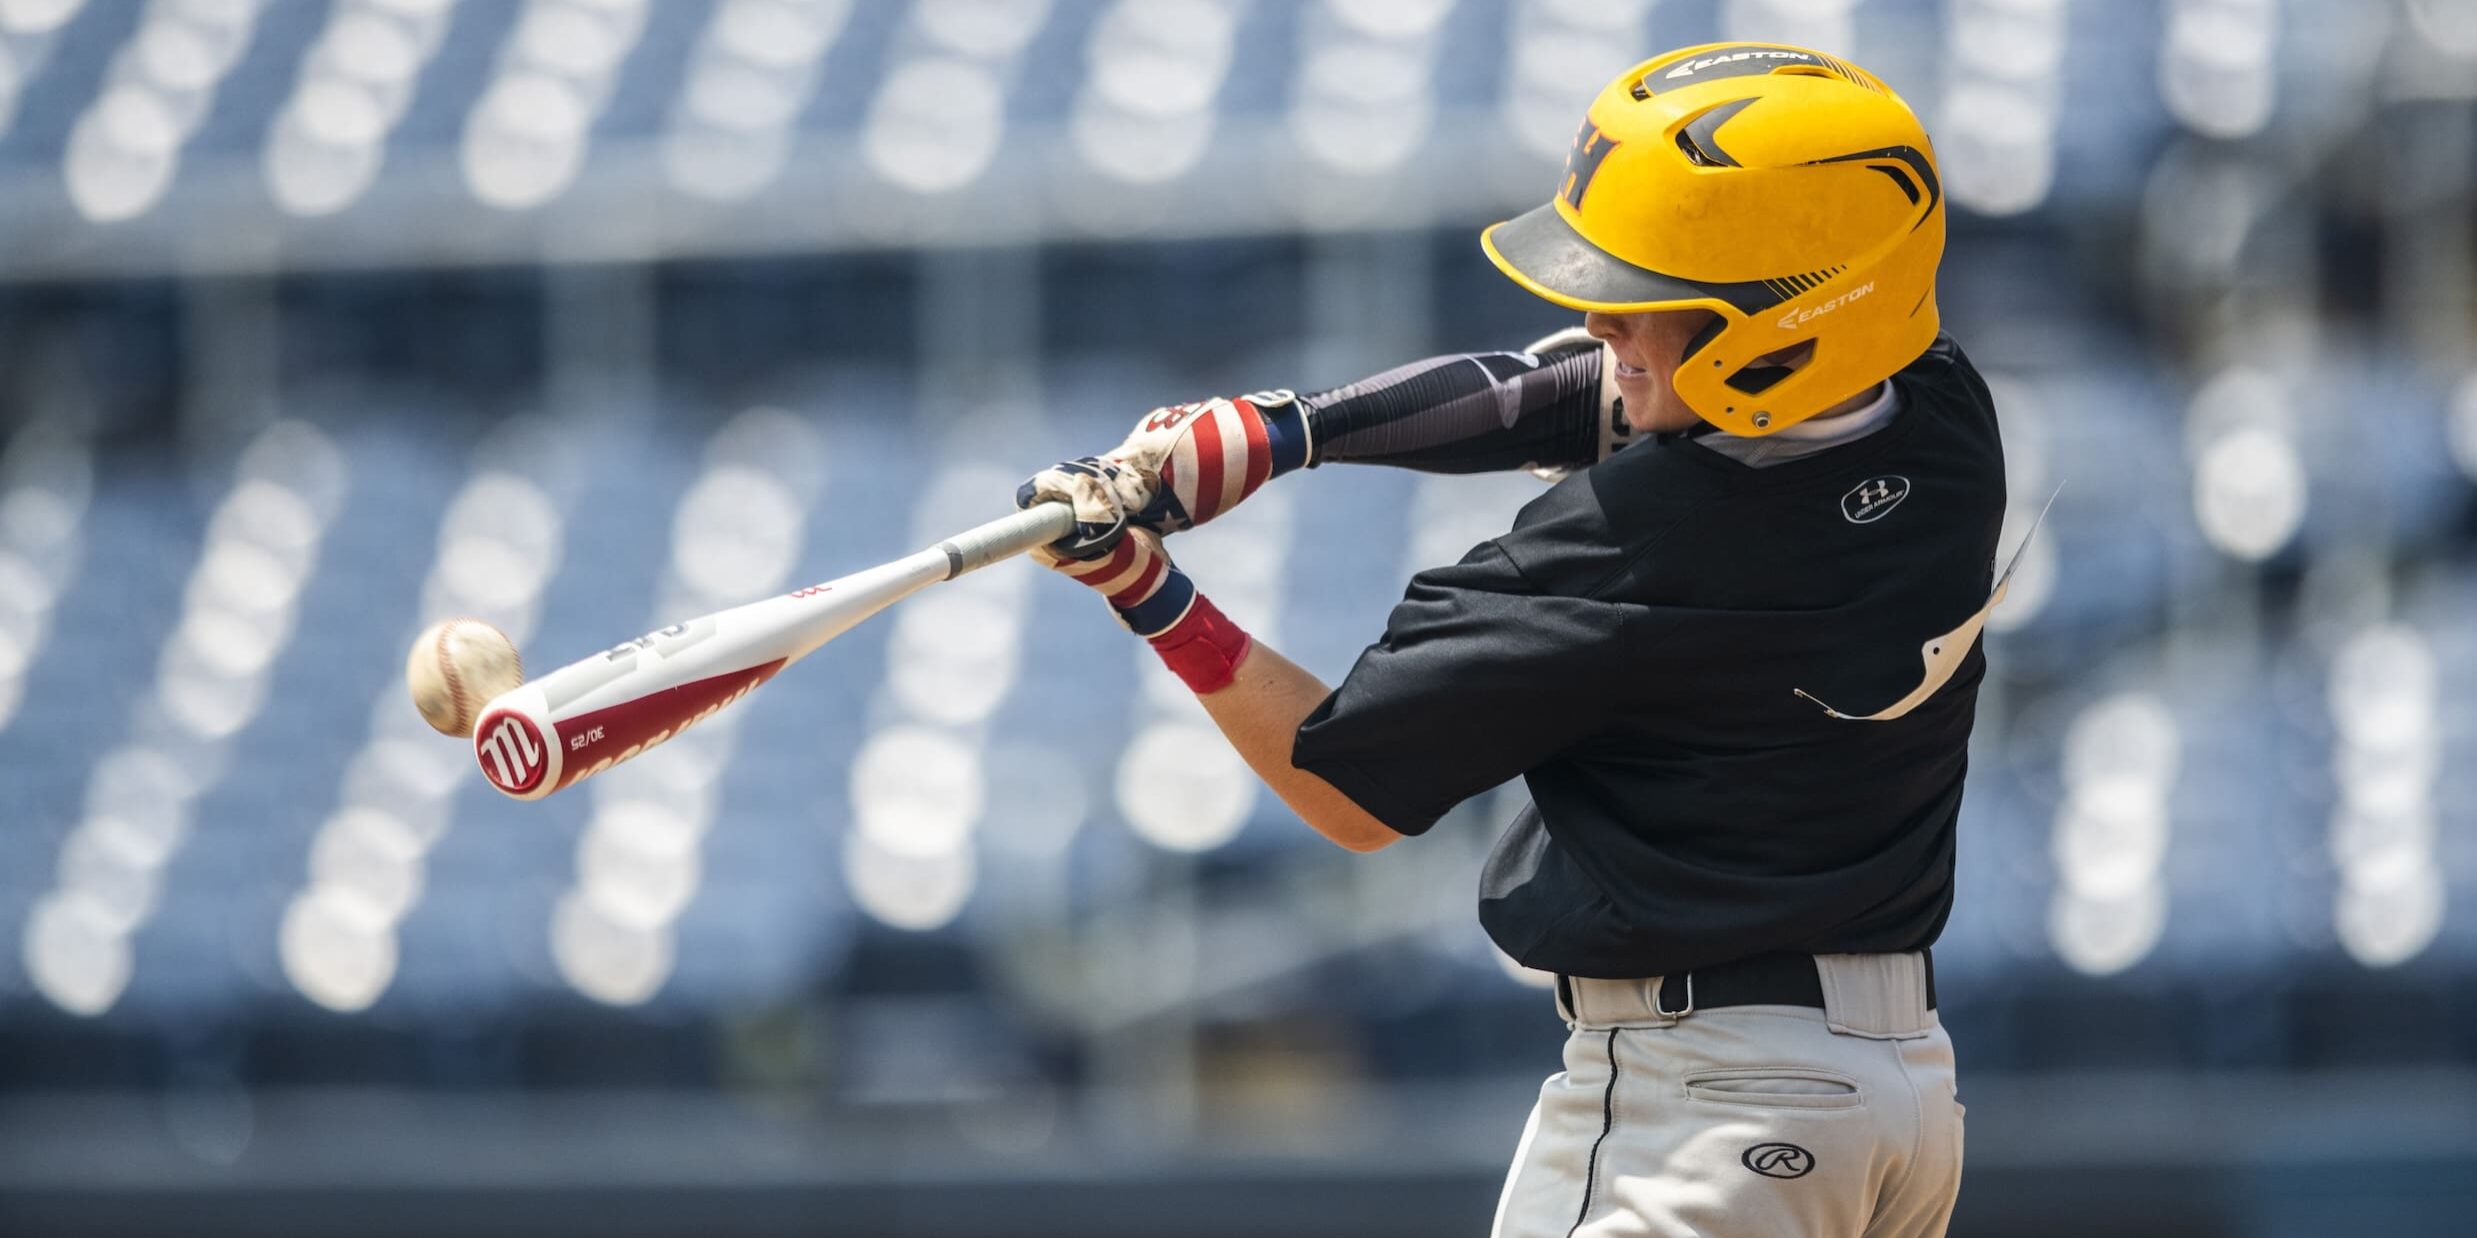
597,712
600,711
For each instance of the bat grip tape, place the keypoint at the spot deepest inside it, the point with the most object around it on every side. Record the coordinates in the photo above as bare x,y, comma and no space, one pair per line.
1006,537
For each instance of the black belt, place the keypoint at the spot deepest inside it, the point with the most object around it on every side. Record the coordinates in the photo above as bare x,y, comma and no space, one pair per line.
1764,980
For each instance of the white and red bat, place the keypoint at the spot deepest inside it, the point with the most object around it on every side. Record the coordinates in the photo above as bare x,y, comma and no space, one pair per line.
590,715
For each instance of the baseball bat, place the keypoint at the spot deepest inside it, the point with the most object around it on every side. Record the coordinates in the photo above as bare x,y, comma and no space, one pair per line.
593,714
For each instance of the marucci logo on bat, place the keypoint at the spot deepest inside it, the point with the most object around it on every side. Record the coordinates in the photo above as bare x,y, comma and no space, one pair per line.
512,752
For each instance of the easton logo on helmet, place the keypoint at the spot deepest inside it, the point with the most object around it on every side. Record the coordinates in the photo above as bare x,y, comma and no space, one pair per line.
1796,318
1774,54
1583,162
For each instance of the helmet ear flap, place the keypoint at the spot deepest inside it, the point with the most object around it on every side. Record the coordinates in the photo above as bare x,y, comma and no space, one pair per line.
1757,379
1752,379
1763,373
1711,331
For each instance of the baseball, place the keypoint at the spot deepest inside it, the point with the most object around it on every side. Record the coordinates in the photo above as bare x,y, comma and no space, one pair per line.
455,668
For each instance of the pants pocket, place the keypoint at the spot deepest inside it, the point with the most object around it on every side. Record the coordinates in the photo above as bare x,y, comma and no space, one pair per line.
1776,1087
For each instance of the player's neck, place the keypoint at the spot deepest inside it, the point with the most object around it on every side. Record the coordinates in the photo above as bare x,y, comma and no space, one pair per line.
1864,399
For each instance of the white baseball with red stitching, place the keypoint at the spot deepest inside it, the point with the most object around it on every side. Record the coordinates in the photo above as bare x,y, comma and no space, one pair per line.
455,667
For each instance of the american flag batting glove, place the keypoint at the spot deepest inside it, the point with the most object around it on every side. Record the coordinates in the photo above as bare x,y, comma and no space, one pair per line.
1156,601
1143,587
1102,492
1211,454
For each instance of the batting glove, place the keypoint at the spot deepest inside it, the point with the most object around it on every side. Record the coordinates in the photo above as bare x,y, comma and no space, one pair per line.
1128,566
1209,455
1101,491
1143,587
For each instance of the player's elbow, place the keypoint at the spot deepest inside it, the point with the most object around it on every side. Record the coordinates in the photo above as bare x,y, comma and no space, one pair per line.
1333,814
1363,835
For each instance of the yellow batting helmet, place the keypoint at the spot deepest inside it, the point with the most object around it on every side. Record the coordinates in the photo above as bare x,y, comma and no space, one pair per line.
1790,193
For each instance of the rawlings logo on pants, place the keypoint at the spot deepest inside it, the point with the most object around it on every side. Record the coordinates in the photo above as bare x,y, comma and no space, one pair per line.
1779,1160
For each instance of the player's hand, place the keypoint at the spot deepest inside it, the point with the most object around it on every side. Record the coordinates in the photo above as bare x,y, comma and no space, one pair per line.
1207,456
1101,491
1124,561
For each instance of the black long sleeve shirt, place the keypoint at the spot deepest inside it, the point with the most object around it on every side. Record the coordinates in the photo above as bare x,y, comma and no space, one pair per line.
1633,648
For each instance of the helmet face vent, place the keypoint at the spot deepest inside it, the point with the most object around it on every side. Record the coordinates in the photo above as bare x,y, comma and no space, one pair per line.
1700,138
1899,178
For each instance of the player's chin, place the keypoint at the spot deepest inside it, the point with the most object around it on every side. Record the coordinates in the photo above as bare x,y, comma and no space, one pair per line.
1649,408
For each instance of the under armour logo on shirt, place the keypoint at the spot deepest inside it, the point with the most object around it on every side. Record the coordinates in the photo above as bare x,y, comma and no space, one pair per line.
1874,499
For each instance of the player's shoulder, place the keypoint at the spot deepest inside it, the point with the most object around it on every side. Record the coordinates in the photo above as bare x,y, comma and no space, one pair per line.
1943,375
1569,539
1943,393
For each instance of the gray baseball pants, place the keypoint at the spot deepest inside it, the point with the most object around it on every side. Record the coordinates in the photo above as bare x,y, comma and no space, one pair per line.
1745,1121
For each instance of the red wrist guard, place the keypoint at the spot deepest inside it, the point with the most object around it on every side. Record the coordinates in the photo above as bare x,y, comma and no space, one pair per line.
1203,648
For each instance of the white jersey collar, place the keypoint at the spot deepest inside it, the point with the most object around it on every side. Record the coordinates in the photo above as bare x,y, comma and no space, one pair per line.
1807,437
1849,425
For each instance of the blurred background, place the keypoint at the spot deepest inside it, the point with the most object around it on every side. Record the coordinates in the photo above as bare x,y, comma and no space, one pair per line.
322,319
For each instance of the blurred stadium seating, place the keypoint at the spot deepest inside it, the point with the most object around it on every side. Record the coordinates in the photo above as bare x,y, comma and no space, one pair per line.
321,319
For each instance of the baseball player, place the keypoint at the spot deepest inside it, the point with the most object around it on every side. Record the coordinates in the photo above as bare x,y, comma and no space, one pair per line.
1733,653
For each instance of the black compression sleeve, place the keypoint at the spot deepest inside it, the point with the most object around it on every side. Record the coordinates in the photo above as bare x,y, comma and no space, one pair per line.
1467,413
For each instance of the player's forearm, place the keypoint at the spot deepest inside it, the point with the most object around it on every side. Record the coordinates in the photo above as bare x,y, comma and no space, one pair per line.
1467,413
1259,712
1548,407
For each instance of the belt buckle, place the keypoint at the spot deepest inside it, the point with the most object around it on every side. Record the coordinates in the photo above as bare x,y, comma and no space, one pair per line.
1659,998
